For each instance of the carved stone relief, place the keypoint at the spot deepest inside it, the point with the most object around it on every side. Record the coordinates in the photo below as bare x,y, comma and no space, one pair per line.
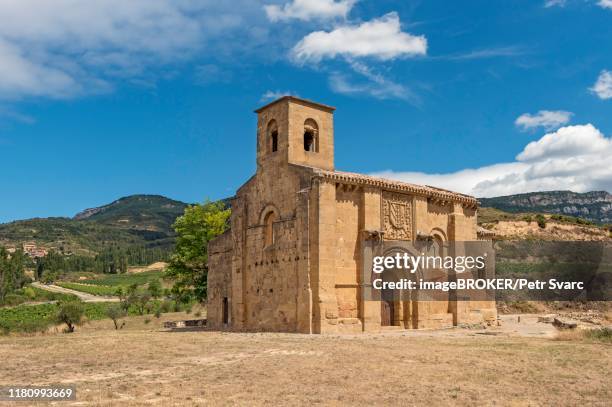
397,216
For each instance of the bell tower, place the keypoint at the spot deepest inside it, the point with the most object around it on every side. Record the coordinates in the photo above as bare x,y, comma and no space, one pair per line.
291,130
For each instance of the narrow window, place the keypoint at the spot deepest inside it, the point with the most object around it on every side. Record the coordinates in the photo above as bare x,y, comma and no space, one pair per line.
269,225
274,137
225,311
311,136
309,140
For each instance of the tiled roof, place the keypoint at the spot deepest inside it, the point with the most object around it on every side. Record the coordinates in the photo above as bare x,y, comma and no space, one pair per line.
423,190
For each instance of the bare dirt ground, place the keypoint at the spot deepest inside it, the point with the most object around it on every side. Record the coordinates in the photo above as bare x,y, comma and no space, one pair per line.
160,265
553,231
516,364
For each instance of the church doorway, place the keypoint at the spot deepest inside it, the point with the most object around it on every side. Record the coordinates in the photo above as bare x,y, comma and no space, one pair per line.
387,309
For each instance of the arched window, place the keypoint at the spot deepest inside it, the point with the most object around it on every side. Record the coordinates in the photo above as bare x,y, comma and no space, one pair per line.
272,133
269,225
311,136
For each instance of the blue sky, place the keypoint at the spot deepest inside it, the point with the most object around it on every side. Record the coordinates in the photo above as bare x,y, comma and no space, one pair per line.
105,99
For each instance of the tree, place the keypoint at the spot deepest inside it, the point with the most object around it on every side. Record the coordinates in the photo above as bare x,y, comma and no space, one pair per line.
12,276
141,301
155,288
188,265
70,313
116,312
119,293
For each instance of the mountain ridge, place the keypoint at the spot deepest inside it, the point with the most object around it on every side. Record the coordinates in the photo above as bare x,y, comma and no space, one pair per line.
595,206
131,221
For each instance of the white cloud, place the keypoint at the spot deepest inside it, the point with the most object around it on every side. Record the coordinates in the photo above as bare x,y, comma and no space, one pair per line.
66,48
605,4
309,9
574,158
510,51
603,86
376,85
275,94
547,119
555,3
379,38
340,83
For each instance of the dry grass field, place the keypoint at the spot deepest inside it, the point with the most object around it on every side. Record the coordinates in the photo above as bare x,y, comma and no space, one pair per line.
145,365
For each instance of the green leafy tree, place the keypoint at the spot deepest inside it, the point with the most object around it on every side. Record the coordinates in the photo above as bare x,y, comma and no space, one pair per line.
141,301
70,313
188,265
115,313
12,275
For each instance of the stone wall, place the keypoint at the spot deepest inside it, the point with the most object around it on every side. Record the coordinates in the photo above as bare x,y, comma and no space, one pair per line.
308,278
220,255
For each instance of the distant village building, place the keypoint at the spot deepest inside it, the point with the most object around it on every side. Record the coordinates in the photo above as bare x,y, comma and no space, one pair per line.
291,260
32,250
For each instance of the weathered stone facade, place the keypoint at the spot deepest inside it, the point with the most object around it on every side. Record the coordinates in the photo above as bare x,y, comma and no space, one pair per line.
292,259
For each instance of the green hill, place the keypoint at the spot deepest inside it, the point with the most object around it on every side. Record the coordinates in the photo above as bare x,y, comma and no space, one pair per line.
143,221
140,212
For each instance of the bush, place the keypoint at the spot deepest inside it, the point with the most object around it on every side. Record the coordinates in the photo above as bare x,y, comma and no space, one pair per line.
602,334
29,293
34,325
155,289
147,321
527,218
12,299
71,314
158,313
541,221
166,306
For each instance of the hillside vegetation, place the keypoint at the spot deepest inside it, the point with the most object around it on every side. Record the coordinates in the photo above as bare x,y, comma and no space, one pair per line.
523,225
594,206
143,221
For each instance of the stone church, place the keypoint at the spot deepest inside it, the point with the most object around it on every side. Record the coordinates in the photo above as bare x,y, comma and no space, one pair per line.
291,260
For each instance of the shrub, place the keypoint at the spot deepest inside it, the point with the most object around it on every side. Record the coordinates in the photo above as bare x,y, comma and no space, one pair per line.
147,321
158,313
29,293
541,221
166,306
141,301
155,289
71,314
602,334
527,218
197,314
12,299
34,325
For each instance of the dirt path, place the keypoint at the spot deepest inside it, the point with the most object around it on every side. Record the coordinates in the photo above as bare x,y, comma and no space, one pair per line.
85,297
